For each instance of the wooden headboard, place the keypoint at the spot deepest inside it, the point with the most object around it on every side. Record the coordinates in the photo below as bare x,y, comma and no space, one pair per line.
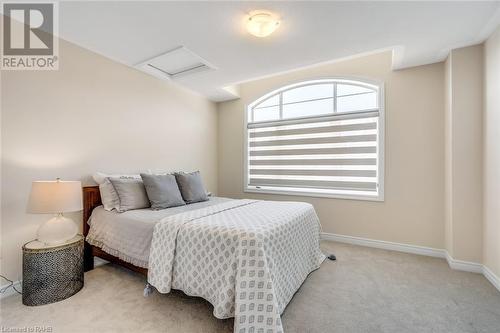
91,199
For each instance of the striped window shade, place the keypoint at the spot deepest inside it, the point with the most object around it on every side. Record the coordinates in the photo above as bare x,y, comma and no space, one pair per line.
334,154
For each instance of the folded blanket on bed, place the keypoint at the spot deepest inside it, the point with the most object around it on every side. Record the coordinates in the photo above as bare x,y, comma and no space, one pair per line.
246,257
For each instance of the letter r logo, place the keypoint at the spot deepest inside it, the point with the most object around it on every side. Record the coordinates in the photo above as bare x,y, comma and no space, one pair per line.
28,29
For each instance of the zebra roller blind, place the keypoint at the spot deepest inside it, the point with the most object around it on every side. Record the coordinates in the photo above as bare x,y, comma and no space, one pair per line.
318,138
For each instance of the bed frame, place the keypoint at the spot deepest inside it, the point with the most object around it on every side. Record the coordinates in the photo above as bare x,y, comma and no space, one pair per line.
92,199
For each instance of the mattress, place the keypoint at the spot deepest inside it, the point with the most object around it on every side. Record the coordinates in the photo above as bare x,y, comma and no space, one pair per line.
128,235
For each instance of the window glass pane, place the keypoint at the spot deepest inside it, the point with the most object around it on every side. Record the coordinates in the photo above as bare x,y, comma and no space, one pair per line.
269,113
331,156
357,102
271,101
305,109
307,93
347,89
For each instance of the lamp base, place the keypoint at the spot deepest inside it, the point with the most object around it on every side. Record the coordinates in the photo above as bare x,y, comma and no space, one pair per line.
57,230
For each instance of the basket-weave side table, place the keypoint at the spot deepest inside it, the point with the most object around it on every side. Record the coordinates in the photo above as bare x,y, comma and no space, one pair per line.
52,273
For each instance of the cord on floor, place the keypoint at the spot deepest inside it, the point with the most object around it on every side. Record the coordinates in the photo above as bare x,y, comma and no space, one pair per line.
11,284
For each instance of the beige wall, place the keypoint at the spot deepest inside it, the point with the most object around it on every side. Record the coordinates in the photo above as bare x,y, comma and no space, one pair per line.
413,210
93,115
491,253
463,153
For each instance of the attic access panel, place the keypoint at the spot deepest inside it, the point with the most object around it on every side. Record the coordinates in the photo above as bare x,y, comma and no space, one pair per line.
175,63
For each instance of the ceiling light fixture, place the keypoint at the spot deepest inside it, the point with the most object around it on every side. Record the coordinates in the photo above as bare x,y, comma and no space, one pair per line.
262,23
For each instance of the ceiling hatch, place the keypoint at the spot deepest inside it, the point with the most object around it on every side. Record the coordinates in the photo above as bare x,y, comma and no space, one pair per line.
175,63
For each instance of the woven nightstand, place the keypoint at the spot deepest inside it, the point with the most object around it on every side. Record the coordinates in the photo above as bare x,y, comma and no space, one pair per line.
52,273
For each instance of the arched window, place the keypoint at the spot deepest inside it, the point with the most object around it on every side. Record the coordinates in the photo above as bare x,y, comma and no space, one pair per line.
317,138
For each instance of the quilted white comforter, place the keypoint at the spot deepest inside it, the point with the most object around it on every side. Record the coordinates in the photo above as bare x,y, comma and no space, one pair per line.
246,257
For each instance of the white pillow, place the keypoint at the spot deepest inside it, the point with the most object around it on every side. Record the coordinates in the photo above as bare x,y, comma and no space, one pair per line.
100,177
109,197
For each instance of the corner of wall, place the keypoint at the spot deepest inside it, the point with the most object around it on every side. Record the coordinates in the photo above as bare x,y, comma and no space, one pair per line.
463,153
491,157
448,155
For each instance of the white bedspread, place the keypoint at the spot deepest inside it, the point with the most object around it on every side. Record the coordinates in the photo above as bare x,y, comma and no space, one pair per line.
246,257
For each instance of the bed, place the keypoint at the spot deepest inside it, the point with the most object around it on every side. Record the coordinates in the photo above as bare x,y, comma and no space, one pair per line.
246,257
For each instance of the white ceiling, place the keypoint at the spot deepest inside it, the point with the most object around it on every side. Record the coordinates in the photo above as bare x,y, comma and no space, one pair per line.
310,33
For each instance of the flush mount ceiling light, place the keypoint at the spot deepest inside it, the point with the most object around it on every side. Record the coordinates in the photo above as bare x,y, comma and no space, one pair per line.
262,23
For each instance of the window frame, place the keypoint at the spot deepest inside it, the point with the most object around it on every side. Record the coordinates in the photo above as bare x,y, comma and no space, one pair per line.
363,82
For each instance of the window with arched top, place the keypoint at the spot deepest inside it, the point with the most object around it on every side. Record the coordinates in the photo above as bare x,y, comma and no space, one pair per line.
317,138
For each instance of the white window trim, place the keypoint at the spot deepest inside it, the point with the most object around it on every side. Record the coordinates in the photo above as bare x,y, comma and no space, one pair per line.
380,196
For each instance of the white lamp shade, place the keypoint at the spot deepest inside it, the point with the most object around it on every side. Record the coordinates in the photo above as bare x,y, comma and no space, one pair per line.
55,197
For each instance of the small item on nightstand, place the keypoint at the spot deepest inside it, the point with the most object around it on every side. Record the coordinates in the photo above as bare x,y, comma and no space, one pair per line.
332,257
52,273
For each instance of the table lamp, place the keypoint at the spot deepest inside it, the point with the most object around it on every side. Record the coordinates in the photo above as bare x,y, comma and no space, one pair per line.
56,197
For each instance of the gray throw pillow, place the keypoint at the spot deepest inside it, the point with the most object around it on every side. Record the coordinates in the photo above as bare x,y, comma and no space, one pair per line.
131,193
191,187
162,191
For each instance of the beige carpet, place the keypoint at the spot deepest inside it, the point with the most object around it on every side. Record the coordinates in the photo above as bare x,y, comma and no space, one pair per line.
366,290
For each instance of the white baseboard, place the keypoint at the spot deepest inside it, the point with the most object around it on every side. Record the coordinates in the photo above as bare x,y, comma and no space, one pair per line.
11,291
490,276
455,264
461,265
385,245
